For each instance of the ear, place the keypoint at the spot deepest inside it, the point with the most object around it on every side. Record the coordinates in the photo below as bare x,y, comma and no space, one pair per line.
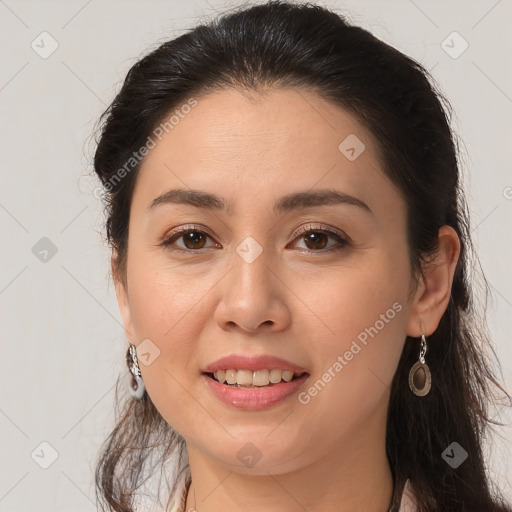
122,300
434,292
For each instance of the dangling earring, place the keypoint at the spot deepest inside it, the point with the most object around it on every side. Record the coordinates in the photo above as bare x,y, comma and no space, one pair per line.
419,375
136,386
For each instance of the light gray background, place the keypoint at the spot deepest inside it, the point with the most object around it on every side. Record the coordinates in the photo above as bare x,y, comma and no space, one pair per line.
62,340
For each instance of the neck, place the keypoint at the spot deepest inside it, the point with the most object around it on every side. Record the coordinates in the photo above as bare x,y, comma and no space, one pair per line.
356,476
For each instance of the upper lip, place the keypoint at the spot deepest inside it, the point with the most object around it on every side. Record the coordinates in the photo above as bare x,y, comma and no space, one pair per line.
262,362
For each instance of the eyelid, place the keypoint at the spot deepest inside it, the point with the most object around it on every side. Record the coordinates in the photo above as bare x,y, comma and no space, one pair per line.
320,227
188,227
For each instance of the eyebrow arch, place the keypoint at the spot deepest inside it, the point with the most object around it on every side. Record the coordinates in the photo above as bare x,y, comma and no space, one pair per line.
294,201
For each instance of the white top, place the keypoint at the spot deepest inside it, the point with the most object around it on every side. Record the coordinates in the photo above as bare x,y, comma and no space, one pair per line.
407,504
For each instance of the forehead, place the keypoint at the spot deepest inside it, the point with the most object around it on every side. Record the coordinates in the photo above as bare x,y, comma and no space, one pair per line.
256,144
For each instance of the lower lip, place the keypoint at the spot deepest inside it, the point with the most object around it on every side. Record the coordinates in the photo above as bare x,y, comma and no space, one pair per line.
255,398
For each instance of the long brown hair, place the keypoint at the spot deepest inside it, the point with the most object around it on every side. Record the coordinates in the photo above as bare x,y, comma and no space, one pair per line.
283,44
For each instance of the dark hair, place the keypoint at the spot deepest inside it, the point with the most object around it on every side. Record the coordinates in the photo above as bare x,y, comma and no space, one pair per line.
279,44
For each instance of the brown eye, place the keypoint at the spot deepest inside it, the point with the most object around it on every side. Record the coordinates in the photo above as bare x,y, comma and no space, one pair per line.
317,240
192,239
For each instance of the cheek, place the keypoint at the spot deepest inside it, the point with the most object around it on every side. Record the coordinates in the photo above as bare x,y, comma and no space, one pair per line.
348,303
164,300
166,308
362,314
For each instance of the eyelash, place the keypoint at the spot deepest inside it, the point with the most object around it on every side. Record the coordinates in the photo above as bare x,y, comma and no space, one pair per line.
343,240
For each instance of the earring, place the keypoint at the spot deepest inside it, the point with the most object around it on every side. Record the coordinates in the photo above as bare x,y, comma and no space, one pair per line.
136,386
420,378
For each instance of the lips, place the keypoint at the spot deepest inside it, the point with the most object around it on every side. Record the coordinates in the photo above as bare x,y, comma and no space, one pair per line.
261,362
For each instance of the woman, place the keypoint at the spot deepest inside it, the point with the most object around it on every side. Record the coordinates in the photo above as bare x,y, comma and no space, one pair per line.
291,249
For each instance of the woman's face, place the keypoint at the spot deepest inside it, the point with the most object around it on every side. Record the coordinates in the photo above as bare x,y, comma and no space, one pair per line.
321,283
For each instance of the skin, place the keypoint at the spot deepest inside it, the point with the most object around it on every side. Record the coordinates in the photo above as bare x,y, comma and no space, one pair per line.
297,300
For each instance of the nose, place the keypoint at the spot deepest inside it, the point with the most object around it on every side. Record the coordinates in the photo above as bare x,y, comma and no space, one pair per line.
253,298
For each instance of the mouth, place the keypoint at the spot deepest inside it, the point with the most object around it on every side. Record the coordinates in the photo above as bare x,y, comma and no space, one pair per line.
253,389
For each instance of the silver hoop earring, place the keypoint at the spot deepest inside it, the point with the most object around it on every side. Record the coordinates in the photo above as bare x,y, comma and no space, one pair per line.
420,379
136,386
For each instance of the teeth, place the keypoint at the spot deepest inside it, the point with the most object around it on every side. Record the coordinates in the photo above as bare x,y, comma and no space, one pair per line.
256,378
275,376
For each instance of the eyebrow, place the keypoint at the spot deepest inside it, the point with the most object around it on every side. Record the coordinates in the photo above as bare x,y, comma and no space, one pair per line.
290,202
